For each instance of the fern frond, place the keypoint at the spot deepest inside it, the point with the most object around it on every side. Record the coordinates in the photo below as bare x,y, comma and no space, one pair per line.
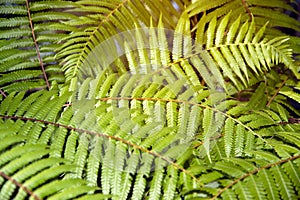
109,20
256,8
27,166
163,142
22,35
237,49
249,185
149,113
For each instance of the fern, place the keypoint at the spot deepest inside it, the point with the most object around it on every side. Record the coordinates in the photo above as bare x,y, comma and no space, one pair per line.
149,99
27,43
25,169
85,39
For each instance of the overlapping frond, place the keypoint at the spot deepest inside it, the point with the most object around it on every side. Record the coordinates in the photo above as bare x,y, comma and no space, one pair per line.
137,141
148,112
29,34
127,150
104,21
27,170
262,11
258,182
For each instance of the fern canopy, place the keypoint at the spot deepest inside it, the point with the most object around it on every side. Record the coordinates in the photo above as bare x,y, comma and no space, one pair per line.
149,99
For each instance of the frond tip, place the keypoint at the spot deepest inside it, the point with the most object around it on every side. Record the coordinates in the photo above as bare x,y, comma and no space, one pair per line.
244,50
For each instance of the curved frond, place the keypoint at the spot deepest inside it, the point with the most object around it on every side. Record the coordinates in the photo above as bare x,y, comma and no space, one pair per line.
245,51
104,22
